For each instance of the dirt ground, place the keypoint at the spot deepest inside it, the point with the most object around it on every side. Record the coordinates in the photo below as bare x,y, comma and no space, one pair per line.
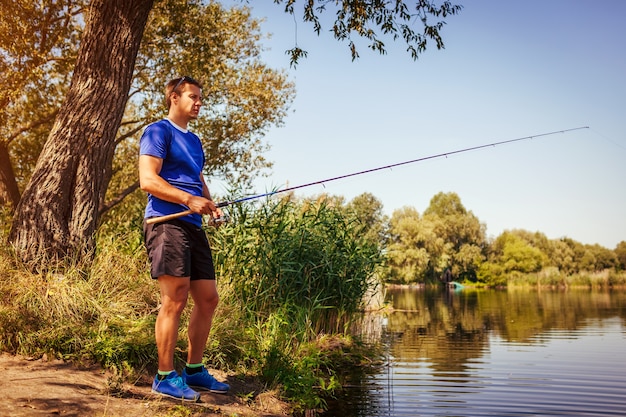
41,387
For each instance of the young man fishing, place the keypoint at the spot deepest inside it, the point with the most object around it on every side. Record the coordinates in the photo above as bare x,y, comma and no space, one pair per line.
170,171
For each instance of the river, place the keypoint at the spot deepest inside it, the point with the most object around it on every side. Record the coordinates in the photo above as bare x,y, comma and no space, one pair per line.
494,353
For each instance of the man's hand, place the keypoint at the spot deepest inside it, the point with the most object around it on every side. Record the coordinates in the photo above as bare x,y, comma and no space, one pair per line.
204,206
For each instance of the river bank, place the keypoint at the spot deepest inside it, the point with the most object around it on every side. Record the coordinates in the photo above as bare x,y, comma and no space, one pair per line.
44,387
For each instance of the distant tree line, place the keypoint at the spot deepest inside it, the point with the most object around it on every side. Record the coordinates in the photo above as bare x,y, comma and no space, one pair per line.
448,237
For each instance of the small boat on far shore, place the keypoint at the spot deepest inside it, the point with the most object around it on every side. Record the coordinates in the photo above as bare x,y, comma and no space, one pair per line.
453,285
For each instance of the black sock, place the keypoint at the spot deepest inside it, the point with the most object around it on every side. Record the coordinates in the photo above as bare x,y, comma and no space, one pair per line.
194,370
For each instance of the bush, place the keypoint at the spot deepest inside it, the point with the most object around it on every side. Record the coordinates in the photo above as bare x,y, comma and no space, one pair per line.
289,271
310,256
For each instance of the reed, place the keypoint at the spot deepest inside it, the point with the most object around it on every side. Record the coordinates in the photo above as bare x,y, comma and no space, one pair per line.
310,256
295,270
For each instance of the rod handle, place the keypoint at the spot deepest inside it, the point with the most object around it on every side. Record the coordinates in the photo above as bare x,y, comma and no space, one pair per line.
160,219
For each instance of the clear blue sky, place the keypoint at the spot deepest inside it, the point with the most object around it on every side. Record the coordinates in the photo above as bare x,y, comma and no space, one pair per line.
510,69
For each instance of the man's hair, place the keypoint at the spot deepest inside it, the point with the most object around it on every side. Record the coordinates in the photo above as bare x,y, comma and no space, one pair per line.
176,86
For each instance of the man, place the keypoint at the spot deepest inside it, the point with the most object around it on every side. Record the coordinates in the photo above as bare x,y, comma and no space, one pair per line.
170,171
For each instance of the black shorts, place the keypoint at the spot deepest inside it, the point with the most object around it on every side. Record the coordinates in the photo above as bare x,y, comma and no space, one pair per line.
178,248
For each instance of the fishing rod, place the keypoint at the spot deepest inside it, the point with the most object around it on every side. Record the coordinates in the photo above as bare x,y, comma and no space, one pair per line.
367,171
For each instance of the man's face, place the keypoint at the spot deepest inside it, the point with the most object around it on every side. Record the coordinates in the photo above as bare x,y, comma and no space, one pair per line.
190,101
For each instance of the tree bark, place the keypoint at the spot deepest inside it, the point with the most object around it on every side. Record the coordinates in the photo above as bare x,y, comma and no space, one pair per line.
9,191
58,213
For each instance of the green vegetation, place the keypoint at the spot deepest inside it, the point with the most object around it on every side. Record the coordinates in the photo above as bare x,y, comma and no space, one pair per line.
292,278
293,271
449,237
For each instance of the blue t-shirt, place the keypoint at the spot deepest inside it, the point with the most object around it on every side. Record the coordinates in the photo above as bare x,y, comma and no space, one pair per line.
183,159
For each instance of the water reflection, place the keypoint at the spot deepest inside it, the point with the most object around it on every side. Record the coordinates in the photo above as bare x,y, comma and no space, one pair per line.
502,353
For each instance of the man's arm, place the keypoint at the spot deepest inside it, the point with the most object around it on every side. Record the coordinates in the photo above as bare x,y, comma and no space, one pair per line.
151,182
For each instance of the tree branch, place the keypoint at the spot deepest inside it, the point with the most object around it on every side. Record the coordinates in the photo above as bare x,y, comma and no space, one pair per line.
118,199
30,126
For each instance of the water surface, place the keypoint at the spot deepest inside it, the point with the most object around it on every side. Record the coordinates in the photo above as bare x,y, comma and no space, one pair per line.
498,353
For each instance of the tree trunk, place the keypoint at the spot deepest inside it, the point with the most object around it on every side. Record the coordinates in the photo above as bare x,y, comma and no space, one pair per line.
9,192
58,213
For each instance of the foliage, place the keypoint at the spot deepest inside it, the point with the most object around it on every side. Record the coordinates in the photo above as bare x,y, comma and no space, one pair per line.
519,256
369,210
81,149
294,269
550,277
72,188
462,233
38,46
103,314
242,96
447,236
291,276
620,252
308,254
490,273
408,258
375,20
516,254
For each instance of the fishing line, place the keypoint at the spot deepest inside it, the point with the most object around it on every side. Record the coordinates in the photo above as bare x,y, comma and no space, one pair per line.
608,139
367,171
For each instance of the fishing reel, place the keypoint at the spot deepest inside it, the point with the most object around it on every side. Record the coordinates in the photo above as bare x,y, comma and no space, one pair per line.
218,221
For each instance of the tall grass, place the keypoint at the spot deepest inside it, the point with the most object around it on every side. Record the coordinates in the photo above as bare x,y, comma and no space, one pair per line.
311,256
102,314
292,270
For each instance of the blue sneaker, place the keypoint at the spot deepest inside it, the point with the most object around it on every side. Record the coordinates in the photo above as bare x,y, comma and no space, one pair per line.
173,386
204,381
